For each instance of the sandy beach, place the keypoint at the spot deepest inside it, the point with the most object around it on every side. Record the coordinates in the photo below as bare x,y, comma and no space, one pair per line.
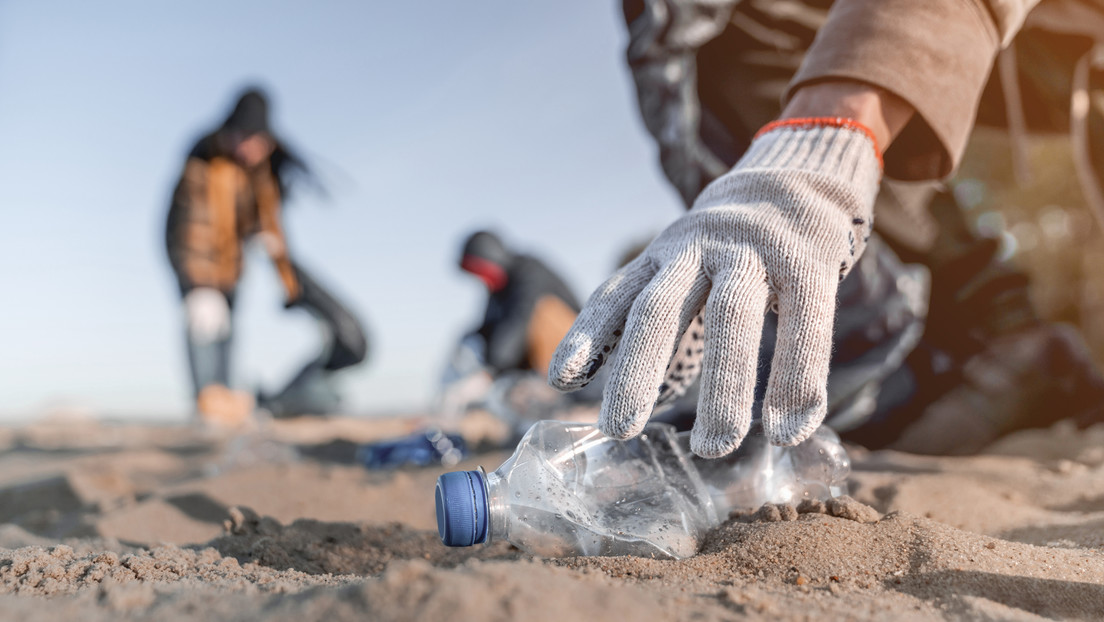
126,521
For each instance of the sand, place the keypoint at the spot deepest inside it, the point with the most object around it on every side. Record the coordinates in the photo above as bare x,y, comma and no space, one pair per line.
117,522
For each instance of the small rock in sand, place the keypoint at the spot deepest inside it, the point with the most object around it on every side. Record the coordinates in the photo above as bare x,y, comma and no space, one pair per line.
773,513
847,507
812,506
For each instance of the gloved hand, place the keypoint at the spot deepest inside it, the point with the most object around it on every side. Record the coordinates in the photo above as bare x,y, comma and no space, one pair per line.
779,231
207,312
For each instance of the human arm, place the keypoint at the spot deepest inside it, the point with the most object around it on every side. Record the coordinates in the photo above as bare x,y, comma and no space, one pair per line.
772,229
778,231
935,56
272,232
880,111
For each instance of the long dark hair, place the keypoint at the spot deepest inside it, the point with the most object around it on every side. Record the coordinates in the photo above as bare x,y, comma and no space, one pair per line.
250,116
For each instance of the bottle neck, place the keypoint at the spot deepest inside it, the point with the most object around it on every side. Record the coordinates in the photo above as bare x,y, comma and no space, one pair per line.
497,495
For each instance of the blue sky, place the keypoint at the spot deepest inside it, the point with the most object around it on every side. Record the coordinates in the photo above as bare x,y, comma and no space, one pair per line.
425,119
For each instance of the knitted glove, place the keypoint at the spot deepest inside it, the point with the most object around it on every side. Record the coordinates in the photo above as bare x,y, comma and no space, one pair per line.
778,231
208,315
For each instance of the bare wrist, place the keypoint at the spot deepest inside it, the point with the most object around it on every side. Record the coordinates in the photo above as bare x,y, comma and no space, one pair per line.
881,111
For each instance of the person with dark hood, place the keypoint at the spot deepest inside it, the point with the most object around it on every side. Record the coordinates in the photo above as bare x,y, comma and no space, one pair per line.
529,307
231,191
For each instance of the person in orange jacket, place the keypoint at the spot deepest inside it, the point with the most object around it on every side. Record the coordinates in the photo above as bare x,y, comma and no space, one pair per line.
231,191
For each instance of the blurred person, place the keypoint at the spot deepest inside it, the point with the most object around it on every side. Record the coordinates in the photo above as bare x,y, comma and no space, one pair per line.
775,121
502,364
231,191
529,307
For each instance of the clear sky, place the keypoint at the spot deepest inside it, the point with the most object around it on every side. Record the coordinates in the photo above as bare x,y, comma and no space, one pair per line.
426,119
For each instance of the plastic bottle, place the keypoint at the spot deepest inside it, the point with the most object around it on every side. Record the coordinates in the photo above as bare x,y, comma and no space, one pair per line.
570,490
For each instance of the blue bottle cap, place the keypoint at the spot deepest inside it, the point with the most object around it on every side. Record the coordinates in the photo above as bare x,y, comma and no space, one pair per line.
462,508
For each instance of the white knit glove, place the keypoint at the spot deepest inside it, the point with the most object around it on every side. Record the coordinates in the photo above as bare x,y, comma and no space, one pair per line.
779,231
207,313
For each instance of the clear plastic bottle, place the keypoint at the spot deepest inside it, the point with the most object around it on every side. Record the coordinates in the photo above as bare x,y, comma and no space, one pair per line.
570,490
759,472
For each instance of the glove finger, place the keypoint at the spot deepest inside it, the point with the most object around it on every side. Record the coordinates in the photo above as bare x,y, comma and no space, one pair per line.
593,336
685,366
733,328
651,333
797,391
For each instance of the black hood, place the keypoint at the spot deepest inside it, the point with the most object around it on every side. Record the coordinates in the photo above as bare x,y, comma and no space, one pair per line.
250,115
486,245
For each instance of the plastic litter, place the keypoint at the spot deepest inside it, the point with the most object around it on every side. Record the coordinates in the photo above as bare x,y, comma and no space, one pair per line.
424,448
570,490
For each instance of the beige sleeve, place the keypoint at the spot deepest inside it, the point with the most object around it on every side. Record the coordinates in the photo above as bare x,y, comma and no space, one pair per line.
1009,16
934,54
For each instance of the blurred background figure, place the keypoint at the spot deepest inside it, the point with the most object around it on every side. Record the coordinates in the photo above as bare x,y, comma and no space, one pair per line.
503,364
97,238
499,369
229,193
529,307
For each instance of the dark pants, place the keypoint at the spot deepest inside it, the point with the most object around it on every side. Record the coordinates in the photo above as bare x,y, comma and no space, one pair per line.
209,362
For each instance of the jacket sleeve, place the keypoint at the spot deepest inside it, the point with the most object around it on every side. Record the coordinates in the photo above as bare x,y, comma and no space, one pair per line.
934,54
268,211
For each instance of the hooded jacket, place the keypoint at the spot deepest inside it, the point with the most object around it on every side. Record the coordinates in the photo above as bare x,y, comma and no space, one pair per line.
218,204
529,308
